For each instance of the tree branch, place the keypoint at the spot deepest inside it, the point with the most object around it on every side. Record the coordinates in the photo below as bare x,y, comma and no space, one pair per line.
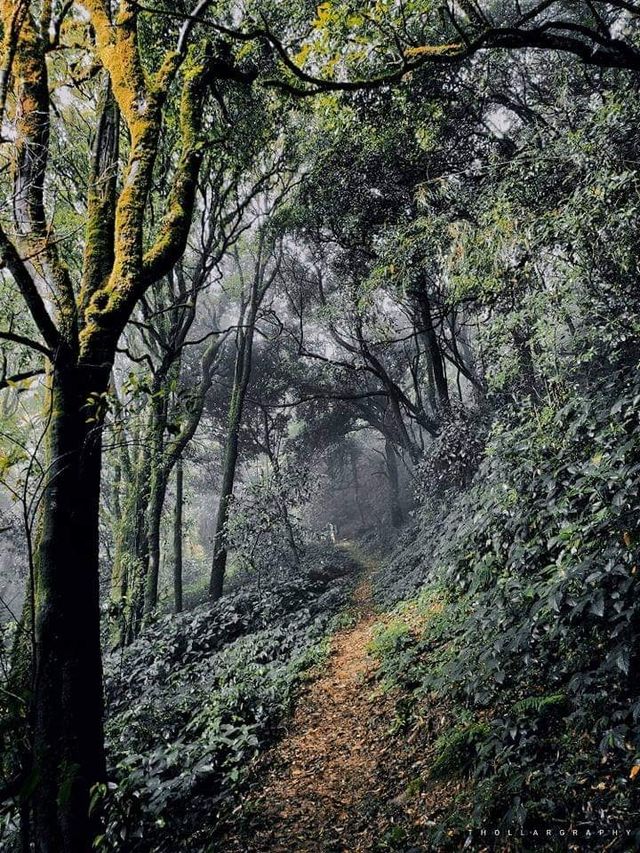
10,259
8,381
25,342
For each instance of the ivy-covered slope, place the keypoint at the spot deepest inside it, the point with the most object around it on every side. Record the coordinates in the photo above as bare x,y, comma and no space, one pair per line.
517,619
197,696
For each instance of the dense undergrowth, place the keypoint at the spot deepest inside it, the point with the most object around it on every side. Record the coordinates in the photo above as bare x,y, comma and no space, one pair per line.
196,697
516,625
512,642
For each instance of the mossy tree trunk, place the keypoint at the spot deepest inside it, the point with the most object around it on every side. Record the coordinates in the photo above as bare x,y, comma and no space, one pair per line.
68,754
80,342
131,557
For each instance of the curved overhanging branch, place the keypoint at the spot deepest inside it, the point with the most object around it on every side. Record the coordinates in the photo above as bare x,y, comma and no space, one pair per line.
592,49
592,45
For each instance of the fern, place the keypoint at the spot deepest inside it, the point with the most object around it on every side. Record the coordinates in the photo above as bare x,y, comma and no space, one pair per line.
457,749
539,704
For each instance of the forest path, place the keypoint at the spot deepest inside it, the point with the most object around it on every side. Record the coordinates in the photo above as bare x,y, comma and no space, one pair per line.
335,781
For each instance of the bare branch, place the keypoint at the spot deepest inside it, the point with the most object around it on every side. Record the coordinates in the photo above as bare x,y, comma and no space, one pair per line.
25,342
10,259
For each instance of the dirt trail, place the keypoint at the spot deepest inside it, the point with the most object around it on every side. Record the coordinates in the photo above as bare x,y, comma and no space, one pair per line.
336,781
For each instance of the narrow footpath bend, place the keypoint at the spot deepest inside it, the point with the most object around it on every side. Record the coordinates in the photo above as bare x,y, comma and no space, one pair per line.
336,781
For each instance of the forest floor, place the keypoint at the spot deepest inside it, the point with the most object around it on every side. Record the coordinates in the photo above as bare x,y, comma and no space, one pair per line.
338,780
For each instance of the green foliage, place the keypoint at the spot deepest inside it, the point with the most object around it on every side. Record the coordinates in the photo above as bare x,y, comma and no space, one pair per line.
452,459
196,697
390,639
457,750
264,530
540,705
539,561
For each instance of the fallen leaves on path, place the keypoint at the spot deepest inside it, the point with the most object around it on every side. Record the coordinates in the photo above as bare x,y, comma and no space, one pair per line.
338,780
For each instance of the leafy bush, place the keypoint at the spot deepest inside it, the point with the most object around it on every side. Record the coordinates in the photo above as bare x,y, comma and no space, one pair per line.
452,459
196,697
538,563
457,750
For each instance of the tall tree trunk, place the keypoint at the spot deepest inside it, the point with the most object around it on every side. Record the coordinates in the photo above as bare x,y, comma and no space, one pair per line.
242,373
68,752
229,465
157,494
430,338
162,464
177,540
393,417
165,456
353,456
391,457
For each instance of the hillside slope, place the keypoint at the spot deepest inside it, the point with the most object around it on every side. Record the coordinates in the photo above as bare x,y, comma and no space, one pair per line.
484,679
499,680
516,612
